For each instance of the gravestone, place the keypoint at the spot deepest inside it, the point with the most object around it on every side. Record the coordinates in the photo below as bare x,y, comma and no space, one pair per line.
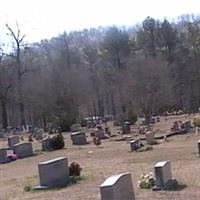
135,145
23,149
126,128
100,133
117,187
188,125
12,140
78,138
3,156
197,130
150,137
163,173
54,173
46,144
38,135
75,127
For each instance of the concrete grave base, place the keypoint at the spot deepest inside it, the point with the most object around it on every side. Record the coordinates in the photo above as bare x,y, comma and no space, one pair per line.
170,185
40,187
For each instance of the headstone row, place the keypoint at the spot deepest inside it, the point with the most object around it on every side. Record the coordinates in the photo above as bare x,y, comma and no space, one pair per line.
120,187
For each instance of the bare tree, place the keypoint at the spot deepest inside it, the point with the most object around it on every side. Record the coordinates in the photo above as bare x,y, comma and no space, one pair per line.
18,38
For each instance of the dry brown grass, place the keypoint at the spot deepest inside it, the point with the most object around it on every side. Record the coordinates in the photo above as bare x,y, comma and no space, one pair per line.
112,158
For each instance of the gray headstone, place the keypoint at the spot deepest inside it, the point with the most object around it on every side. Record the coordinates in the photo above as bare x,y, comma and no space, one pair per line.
134,144
162,173
150,137
46,144
75,128
118,187
38,135
3,156
12,140
23,149
54,173
78,138
100,133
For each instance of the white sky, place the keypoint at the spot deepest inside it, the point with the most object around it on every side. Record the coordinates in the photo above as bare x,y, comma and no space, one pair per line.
47,18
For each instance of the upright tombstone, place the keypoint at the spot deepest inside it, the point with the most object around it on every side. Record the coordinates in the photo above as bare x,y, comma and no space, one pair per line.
163,173
54,173
117,187
38,135
23,149
75,127
100,133
12,140
126,128
197,130
135,145
78,138
150,137
3,156
46,144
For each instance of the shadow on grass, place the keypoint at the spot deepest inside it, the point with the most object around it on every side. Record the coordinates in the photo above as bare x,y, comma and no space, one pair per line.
178,187
73,180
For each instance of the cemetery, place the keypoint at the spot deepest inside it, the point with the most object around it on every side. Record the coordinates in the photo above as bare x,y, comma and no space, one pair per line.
115,171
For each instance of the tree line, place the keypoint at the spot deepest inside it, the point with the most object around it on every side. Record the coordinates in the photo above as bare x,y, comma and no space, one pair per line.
144,69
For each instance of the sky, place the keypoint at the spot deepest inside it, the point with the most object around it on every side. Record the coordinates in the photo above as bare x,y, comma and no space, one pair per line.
41,19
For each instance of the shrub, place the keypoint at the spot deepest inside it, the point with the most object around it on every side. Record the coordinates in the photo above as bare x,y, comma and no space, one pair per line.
57,142
146,181
27,188
197,121
74,169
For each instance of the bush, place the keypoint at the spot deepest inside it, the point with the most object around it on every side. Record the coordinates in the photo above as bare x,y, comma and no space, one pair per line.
74,169
27,188
146,181
197,121
57,142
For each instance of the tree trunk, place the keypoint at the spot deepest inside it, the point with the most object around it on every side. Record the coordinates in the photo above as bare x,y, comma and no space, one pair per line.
21,103
113,107
4,114
44,121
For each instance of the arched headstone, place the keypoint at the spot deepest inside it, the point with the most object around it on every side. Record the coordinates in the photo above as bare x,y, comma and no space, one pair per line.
54,173
117,187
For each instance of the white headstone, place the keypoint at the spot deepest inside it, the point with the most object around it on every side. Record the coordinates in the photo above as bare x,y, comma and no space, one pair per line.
118,187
